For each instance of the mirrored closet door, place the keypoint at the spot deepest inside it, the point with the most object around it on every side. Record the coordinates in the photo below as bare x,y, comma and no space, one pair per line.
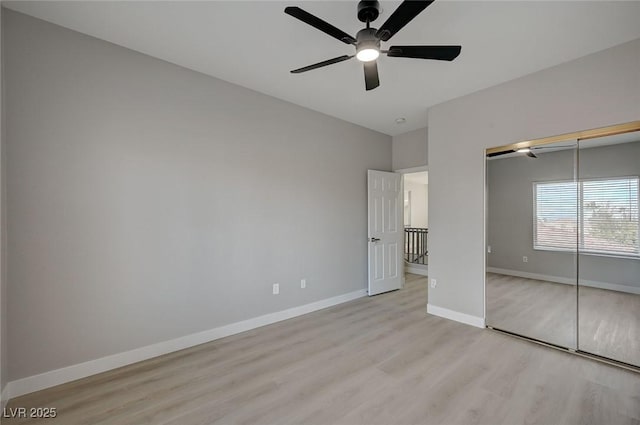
531,242
609,247
563,242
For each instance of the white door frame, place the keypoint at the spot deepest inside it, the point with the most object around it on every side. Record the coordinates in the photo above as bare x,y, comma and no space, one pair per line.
412,169
404,171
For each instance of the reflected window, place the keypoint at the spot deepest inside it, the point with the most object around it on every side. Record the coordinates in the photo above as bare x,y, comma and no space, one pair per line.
606,213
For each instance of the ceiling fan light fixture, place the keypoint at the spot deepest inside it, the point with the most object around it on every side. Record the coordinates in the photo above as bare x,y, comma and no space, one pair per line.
368,46
367,54
367,40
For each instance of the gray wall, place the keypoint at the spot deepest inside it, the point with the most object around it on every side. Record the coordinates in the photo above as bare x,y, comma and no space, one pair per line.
410,149
147,201
419,206
3,234
594,91
510,212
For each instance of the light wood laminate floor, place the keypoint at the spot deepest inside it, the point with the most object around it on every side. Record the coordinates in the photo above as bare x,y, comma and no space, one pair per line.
534,308
378,360
608,324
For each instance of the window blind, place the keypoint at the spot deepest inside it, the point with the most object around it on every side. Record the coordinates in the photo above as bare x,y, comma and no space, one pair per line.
596,216
556,216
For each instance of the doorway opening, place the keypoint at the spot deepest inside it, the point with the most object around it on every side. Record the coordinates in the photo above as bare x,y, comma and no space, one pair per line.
416,222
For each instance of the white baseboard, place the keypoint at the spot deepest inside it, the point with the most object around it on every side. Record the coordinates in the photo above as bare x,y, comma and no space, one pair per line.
82,370
567,281
527,275
422,271
467,319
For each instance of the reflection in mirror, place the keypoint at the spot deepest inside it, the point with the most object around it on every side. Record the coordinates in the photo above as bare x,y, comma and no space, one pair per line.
609,262
407,208
532,226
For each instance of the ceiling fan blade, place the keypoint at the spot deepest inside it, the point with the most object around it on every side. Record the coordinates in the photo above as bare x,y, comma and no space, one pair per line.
371,80
318,23
443,53
491,155
321,64
407,10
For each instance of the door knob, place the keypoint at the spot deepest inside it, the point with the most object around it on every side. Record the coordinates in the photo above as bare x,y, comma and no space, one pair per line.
374,239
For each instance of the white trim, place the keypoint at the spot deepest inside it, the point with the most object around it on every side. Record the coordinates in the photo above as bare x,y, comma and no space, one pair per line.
4,396
567,281
611,286
536,276
485,231
412,169
71,373
422,271
467,319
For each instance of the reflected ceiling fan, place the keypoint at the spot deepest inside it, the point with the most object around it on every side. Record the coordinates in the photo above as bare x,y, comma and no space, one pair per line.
367,41
530,152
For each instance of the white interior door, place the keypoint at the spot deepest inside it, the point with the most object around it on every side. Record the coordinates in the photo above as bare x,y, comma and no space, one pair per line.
385,231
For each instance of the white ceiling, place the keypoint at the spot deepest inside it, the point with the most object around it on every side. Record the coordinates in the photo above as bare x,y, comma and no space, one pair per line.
254,44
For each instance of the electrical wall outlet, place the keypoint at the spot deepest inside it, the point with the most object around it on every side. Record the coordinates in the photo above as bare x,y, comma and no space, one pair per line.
525,259
434,283
303,283
276,288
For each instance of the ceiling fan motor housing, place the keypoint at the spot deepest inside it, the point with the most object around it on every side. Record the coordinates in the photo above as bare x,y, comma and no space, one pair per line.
368,11
367,39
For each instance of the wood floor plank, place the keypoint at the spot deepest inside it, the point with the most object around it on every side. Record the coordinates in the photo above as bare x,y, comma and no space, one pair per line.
609,323
376,360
